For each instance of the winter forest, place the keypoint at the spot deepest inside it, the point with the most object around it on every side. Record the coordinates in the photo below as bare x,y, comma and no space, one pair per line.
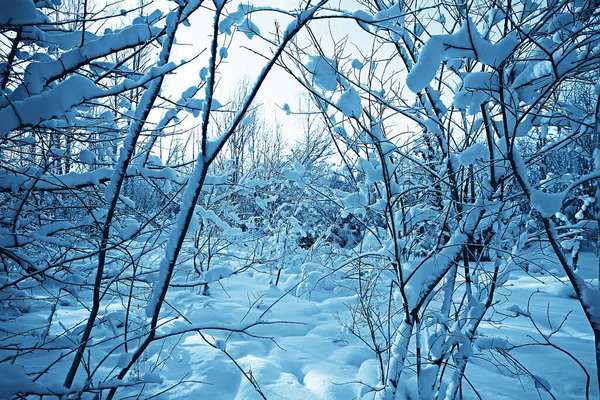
299,199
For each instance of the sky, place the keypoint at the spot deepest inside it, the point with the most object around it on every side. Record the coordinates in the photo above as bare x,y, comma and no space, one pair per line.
279,88
245,58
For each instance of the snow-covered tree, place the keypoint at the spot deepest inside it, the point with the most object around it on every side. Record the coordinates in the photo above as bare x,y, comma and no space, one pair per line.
466,137
458,118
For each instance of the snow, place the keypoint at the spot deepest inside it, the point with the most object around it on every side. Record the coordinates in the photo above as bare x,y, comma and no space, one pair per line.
152,377
216,273
19,12
391,14
316,357
215,105
477,88
296,174
231,313
124,359
21,178
211,216
349,103
467,42
373,173
248,28
236,18
473,153
355,200
14,380
177,232
299,168
286,109
362,15
548,204
131,228
87,156
517,310
323,71
54,103
37,74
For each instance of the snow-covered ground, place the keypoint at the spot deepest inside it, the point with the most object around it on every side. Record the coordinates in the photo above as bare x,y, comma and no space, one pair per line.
301,349
316,358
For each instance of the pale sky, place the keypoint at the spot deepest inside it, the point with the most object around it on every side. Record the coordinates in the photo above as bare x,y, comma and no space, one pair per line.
280,87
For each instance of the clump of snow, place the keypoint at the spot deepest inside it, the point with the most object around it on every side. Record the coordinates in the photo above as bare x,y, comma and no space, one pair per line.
472,153
477,87
19,12
517,310
362,16
356,64
354,203
13,380
309,282
43,107
541,383
373,173
124,360
216,273
131,228
249,28
240,20
38,74
324,72
215,105
296,174
221,344
349,103
299,168
562,289
235,18
211,216
547,204
391,15
87,157
467,42
152,377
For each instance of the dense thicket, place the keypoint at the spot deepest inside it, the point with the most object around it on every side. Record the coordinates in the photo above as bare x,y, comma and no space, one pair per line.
436,154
